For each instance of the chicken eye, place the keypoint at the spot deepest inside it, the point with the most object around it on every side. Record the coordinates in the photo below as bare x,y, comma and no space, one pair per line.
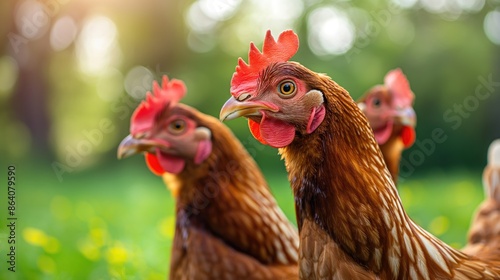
177,126
287,88
376,102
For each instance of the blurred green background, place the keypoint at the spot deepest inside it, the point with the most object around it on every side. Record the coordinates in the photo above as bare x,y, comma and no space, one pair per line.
72,72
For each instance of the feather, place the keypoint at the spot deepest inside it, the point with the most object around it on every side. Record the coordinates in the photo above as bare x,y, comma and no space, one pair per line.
227,226
484,233
340,185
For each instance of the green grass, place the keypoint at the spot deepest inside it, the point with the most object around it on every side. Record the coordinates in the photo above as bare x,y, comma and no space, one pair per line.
117,223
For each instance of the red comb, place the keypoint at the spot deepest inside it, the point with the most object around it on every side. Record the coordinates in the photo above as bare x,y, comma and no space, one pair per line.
399,86
168,95
245,77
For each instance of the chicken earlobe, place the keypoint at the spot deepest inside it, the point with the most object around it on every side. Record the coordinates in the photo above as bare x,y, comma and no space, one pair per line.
312,99
203,151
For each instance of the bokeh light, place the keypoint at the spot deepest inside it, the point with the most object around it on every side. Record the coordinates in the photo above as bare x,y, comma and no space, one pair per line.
38,238
198,20
254,17
219,10
330,31
35,236
471,5
31,19
276,15
436,6
452,9
138,81
8,74
117,254
203,18
89,249
97,47
405,3
63,33
492,26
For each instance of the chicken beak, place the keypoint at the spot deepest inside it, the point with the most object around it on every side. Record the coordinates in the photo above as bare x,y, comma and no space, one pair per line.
132,146
406,116
129,146
233,109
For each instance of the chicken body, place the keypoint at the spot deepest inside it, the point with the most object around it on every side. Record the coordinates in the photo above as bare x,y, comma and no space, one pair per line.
351,220
390,113
228,225
484,234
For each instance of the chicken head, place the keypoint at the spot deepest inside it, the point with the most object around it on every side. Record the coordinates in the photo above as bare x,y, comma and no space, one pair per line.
166,131
281,102
389,109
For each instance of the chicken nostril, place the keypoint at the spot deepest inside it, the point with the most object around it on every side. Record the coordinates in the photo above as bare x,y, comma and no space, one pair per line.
243,97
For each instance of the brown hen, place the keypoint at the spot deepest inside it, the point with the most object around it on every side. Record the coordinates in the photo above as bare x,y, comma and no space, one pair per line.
390,113
484,234
228,225
351,221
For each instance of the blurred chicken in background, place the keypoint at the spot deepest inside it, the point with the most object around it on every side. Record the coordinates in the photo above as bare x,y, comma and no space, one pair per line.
228,224
484,233
389,110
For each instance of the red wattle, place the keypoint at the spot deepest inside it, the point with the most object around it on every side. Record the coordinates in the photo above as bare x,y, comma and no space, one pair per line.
255,130
169,163
408,135
153,164
276,133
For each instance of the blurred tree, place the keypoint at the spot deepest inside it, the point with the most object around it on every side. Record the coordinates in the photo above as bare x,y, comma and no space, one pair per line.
30,98
443,48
